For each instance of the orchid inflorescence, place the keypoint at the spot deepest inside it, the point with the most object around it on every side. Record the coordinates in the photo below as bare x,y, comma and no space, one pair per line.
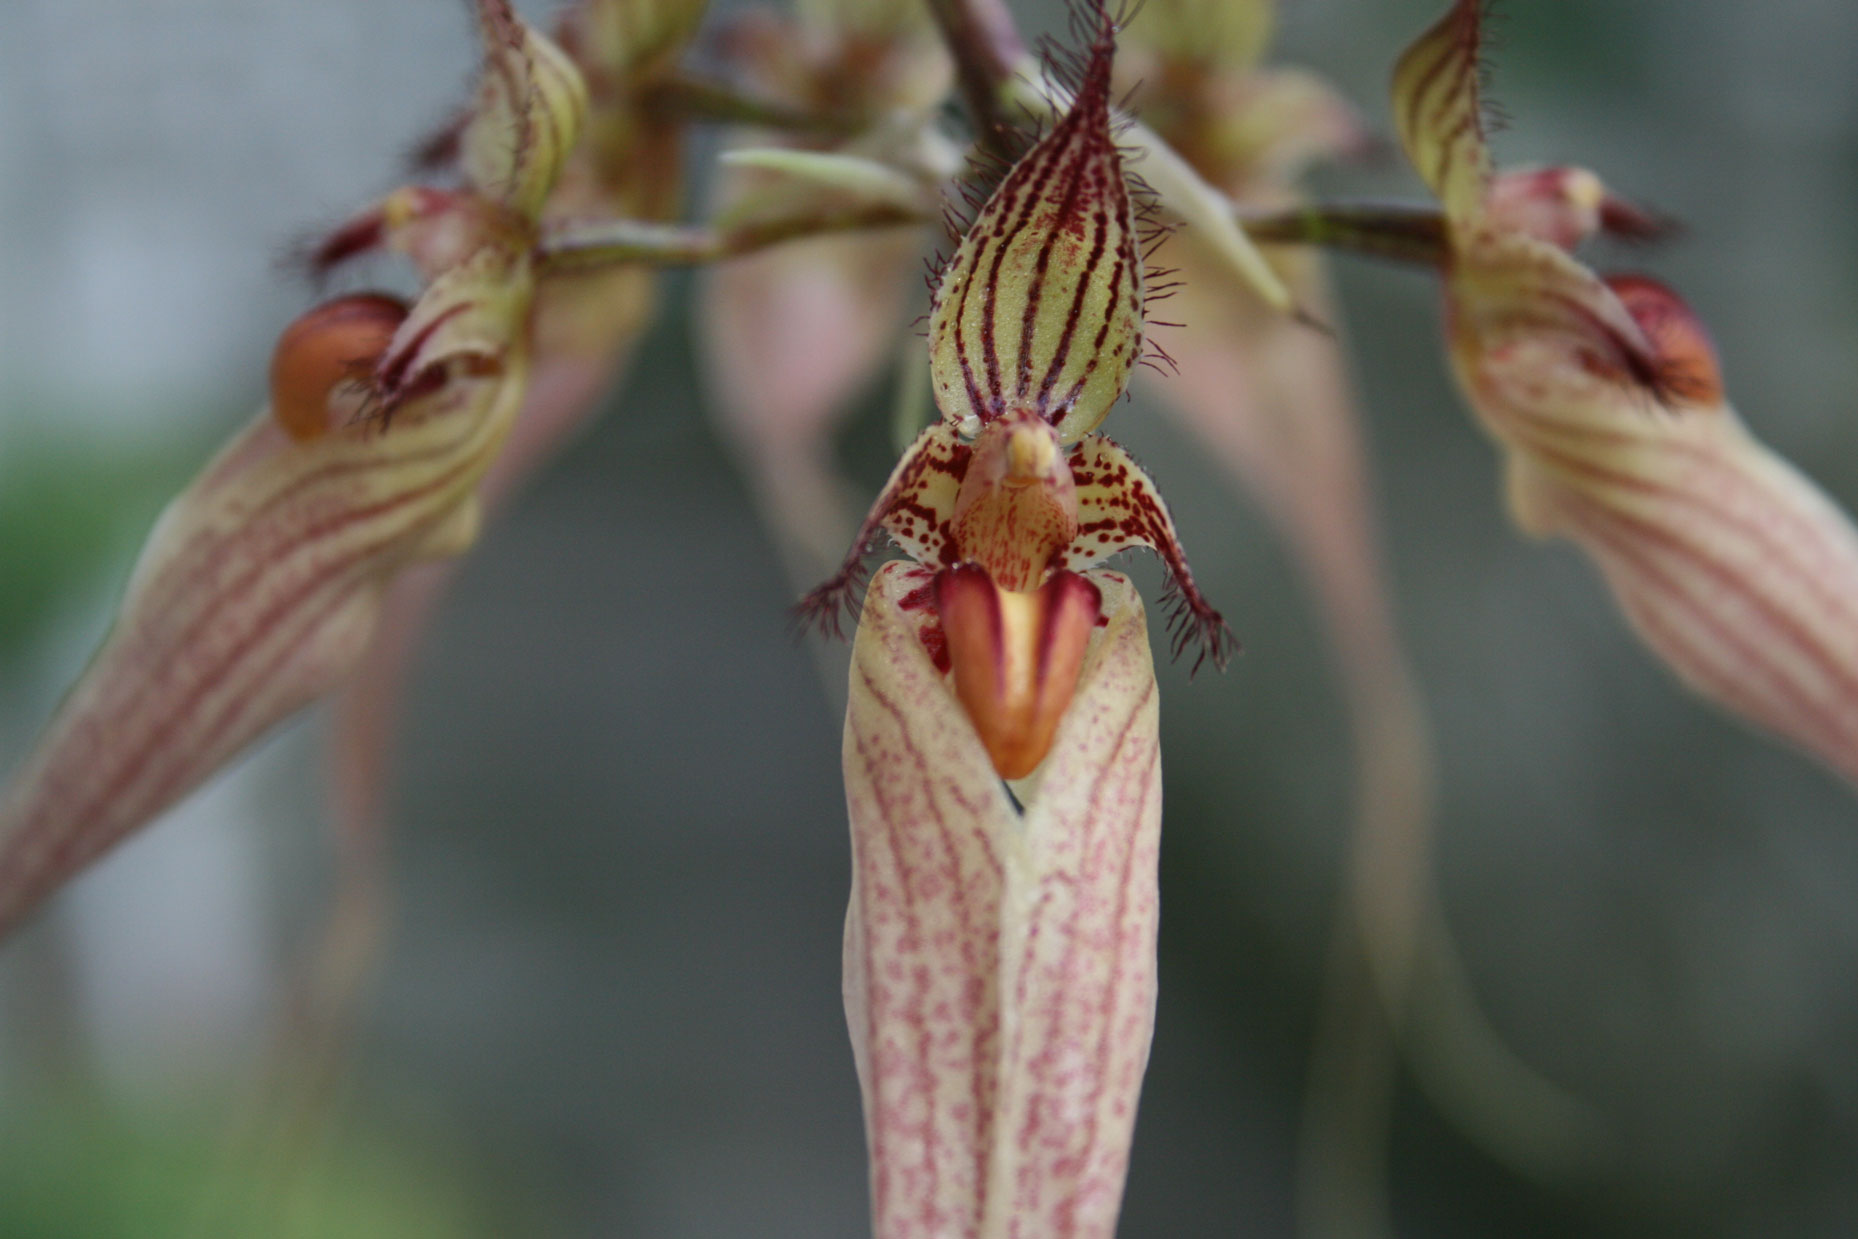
1001,749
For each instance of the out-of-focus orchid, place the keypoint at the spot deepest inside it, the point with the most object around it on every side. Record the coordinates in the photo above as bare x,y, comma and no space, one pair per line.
1606,399
1000,962
1272,401
261,584
626,164
792,334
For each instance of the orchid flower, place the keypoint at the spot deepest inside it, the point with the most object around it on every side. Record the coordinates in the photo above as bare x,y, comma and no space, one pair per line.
1000,948
626,163
1607,401
794,332
260,586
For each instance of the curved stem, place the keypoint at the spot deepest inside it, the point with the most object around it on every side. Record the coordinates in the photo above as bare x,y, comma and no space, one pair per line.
1398,231
987,49
579,247
687,97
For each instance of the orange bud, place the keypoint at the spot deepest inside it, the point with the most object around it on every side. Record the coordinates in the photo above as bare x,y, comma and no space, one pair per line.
329,351
1015,658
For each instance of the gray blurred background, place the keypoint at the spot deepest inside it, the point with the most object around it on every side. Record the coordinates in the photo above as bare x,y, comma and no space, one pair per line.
610,1000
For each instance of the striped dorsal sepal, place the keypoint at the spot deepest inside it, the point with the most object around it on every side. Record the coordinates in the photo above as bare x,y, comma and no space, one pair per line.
1040,308
1438,109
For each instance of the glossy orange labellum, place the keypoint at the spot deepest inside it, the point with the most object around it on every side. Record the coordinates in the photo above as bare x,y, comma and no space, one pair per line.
1688,372
326,354
1015,658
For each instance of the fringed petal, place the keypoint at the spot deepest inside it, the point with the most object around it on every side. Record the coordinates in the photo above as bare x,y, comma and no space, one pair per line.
916,507
1119,506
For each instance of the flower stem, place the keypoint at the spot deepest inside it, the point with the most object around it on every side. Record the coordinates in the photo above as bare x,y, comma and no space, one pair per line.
1397,231
582,246
987,49
702,99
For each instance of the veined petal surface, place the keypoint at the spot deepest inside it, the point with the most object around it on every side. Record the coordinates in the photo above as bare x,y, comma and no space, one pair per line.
256,593
1040,308
1000,967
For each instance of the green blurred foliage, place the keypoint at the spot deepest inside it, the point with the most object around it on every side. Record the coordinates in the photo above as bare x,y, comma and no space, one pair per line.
82,1166
72,507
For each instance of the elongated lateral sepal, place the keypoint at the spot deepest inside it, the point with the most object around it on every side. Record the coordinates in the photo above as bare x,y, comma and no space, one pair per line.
257,591
999,967
1733,567
1077,946
1040,308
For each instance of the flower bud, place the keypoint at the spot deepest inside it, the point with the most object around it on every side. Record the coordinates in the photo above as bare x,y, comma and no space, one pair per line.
1015,658
320,369
530,108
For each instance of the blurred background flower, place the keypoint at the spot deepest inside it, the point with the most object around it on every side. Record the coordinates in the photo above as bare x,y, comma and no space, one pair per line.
610,1002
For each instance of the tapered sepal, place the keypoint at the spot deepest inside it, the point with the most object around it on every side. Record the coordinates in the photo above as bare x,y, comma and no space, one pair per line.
1077,943
1040,308
1736,570
257,591
1438,110
531,104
